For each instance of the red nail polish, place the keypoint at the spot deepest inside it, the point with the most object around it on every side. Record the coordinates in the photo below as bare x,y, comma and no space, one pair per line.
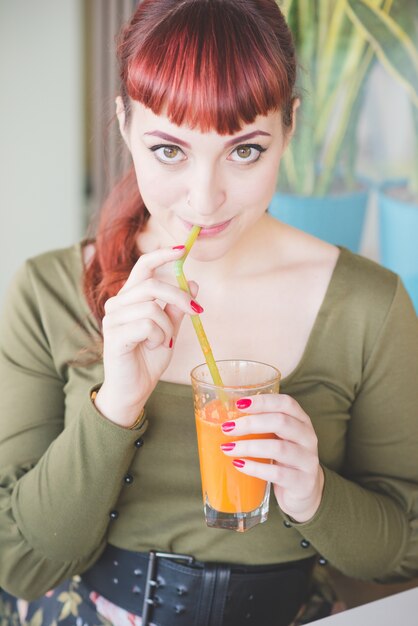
238,463
227,447
170,345
228,426
244,403
196,307
178,247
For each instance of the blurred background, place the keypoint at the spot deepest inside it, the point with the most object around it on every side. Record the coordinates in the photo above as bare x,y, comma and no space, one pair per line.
351,176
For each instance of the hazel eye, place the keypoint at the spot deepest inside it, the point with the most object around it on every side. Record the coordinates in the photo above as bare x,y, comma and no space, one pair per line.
247,153
244,152
168,154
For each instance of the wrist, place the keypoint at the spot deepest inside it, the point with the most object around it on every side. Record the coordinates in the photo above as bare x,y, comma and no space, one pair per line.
305,515
124,416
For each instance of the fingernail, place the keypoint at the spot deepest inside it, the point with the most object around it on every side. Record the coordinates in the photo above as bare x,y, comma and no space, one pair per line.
228,426
196,307
244,403
170,345
238,463
178,247
227,447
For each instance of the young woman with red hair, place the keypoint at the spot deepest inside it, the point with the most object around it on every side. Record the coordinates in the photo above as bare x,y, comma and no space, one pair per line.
91,486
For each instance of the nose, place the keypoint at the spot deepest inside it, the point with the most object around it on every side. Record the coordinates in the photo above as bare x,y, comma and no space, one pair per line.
206,192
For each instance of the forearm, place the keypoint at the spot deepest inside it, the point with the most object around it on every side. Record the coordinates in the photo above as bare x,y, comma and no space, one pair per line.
362,533
58,512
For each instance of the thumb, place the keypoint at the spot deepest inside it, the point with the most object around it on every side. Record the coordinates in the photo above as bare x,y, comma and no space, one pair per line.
174,313
193,287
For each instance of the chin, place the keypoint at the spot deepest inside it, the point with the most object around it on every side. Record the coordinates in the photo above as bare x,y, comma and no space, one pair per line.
209,252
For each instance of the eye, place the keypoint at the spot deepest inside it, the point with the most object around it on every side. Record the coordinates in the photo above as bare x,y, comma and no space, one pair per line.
168,154
248,153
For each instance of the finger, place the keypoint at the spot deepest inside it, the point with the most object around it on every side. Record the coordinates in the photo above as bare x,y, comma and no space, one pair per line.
138,312
283,452
272,403
286,477
152,289
283,425
147,263
194,288
133,333
175,314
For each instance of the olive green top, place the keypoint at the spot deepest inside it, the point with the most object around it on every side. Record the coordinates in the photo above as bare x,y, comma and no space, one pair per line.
63,466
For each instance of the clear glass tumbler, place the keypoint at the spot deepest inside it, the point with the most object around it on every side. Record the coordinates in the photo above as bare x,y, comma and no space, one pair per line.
231,500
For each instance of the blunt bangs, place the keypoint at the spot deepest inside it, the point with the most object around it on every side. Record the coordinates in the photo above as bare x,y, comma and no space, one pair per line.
211,65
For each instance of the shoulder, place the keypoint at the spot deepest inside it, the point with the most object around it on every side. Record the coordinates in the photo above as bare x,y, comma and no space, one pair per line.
370,285
55,262
365,300
352,278
56,273
48,279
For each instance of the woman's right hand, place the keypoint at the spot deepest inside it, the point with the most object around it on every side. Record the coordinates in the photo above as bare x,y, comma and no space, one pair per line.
138,335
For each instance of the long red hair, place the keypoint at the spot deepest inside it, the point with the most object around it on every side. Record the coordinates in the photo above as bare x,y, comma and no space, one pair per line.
211,64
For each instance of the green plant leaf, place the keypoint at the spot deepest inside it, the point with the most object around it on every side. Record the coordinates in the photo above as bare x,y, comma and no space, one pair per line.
284,6
330,57
393,47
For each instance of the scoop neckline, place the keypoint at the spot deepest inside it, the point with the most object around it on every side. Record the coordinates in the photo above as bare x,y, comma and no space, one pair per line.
182,389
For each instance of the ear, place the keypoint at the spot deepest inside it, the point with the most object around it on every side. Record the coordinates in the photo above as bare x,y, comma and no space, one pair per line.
295,106
121,115
291,131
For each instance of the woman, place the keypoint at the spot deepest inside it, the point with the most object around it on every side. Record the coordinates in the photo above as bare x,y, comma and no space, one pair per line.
90,484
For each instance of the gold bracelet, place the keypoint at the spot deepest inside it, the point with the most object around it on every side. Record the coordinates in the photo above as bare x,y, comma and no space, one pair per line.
136,422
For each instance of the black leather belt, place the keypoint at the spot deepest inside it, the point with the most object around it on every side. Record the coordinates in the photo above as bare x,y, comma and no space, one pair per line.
169,588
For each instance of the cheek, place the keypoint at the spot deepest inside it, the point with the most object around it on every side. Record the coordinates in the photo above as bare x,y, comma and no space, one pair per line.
256,191
156,189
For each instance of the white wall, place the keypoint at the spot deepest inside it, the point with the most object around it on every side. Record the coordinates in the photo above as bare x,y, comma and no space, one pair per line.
41,153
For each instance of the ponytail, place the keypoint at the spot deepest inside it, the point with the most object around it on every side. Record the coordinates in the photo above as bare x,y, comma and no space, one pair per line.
122,218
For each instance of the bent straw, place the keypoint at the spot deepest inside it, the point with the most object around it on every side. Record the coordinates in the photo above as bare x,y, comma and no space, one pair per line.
197,323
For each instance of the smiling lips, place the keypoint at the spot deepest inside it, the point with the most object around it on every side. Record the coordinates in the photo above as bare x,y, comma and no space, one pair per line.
210,231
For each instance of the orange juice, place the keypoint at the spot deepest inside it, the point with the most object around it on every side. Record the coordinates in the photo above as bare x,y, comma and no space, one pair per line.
231,499
225,488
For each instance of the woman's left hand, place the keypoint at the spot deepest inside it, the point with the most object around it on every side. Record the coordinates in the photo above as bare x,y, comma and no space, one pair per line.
296,474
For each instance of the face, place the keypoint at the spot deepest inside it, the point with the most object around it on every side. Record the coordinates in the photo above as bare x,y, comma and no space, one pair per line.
223,183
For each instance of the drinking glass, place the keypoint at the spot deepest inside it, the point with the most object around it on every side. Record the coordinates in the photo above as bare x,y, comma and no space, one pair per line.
231,500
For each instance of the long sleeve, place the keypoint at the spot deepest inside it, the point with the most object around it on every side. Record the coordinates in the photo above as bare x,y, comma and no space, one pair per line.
367,523
57,484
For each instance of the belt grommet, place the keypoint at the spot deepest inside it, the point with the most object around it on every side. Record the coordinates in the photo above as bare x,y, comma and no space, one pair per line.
181,590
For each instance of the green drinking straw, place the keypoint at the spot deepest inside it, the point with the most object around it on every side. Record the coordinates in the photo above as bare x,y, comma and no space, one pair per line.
201,335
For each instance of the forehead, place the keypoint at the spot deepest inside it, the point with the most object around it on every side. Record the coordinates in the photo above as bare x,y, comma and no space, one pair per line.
144,120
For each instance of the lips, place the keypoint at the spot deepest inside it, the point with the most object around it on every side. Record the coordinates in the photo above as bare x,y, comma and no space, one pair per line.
209,230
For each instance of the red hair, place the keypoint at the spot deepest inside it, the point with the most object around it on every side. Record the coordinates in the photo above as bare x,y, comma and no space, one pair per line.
210,64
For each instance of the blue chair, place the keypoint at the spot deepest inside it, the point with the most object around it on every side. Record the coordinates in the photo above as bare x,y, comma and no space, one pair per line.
337,219
398,237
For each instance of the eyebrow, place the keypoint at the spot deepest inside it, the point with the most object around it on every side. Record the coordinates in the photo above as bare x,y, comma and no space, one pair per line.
255,133
185,144
159,133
